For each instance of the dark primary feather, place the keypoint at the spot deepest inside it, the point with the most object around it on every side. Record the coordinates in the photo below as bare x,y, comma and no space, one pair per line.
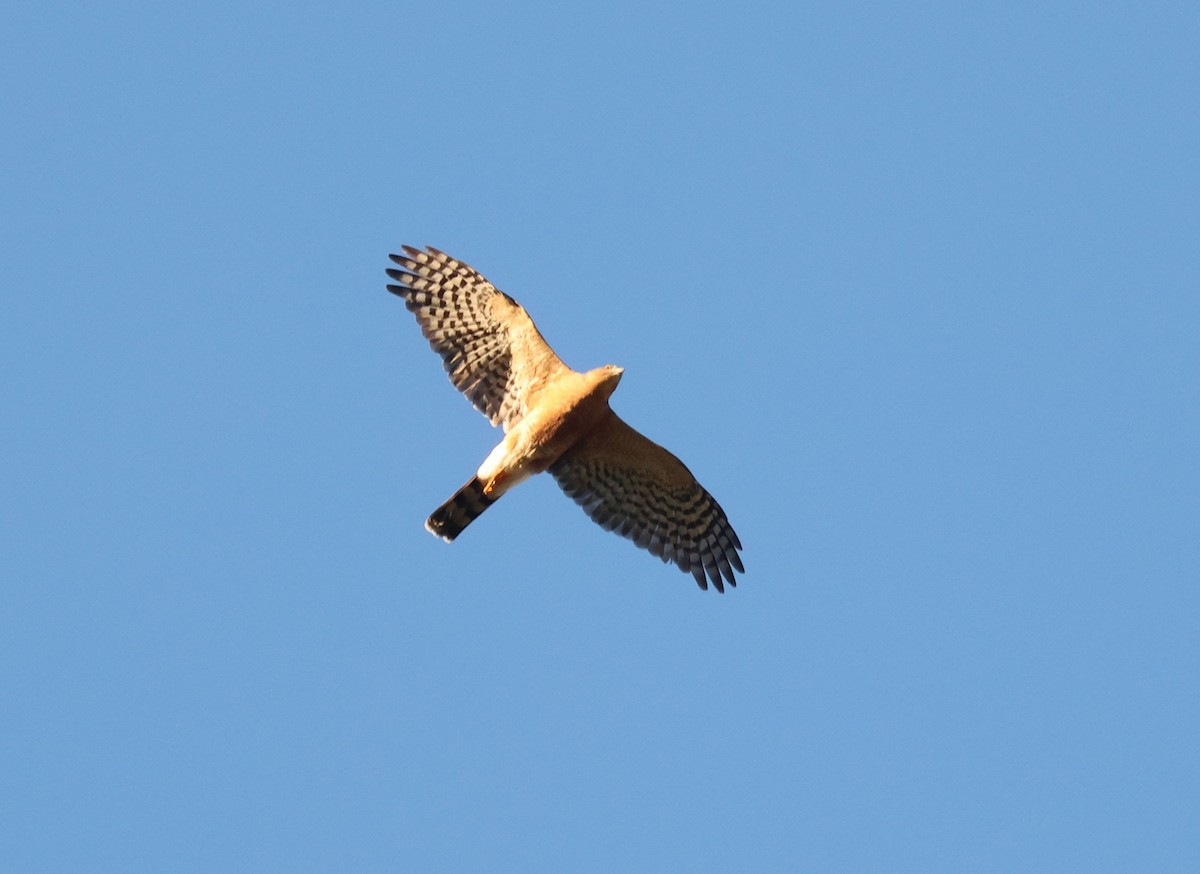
677,521
452,304
490,347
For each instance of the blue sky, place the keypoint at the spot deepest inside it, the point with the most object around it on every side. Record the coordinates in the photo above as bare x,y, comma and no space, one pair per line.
912,291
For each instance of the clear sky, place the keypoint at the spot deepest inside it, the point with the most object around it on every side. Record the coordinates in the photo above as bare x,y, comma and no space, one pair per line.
913,290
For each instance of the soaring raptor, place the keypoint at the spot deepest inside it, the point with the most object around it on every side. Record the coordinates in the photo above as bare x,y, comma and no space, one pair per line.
558,420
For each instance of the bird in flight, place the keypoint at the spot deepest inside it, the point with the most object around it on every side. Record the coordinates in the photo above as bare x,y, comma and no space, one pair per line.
558,420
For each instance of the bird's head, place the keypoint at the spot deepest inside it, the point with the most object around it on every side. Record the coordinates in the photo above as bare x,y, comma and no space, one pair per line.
607,376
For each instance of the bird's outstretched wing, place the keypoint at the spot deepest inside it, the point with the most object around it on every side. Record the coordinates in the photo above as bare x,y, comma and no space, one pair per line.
490,347
631,485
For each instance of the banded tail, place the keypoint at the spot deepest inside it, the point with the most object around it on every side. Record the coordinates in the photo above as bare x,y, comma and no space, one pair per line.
449,520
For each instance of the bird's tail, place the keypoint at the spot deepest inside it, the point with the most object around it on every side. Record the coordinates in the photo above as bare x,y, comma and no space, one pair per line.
449,520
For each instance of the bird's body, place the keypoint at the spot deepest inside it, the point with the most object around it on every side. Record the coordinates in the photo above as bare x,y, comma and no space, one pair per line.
571,405
559,420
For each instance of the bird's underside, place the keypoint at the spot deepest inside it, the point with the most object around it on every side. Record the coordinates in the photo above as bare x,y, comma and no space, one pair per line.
558,420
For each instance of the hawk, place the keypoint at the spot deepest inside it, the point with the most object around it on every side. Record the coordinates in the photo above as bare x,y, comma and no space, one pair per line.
558,420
